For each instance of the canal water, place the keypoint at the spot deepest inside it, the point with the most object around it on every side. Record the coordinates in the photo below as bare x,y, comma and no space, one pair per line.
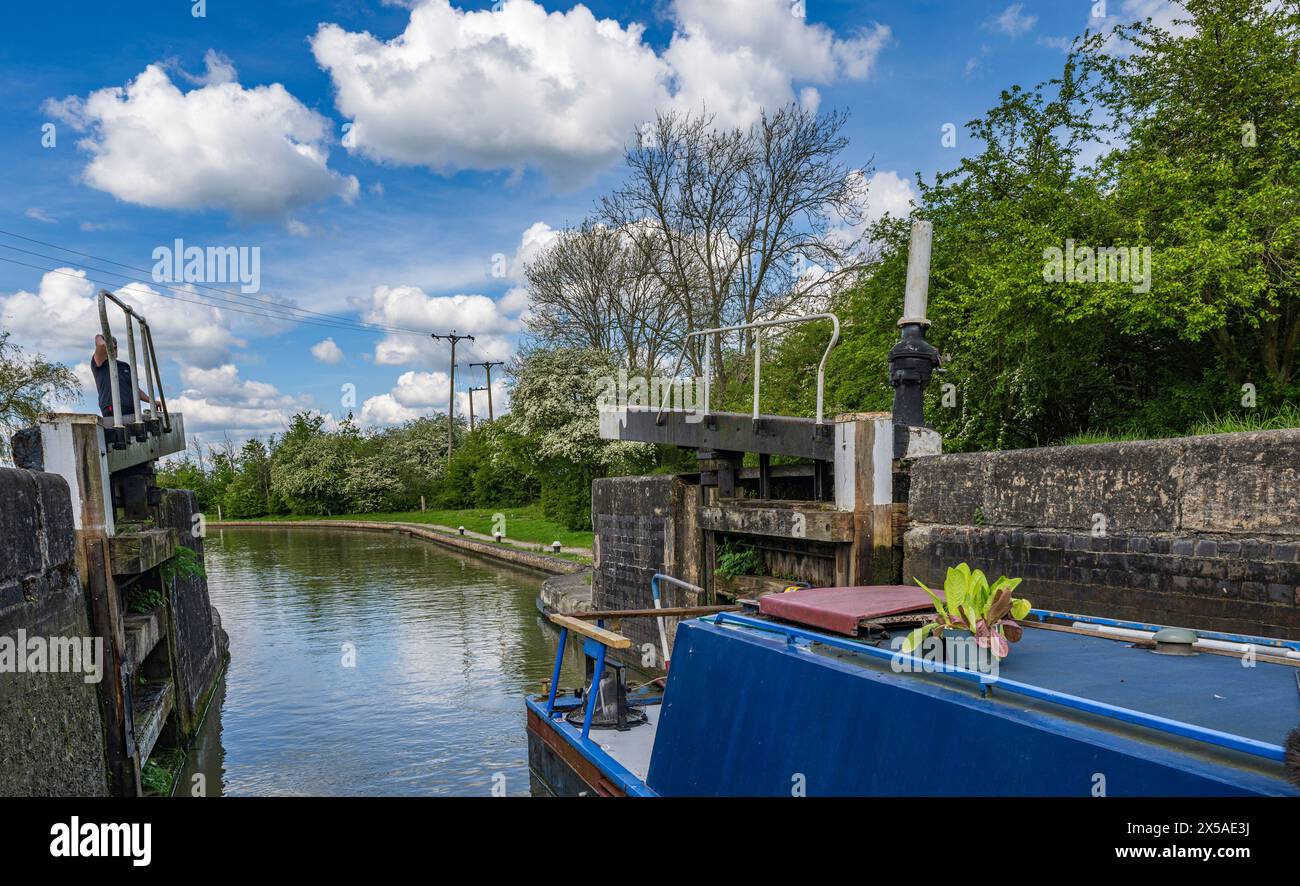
368,664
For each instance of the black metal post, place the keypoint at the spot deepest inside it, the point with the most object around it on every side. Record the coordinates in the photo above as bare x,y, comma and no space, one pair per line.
913,360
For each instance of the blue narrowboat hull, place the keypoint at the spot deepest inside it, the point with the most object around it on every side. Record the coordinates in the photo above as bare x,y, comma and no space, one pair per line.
753,711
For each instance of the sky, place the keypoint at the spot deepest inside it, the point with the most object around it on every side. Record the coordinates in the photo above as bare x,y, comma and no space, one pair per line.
397,164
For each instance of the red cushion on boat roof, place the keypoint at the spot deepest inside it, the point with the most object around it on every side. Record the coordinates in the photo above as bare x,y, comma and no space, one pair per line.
841,610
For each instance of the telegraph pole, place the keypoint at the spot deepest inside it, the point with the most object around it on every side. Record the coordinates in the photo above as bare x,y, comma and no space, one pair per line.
487,367
451,388
472,392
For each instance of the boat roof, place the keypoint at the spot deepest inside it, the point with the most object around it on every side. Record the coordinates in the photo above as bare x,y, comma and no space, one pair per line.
1261,702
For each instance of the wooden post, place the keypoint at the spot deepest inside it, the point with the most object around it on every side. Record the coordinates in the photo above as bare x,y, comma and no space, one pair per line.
114,692
451,388
487,369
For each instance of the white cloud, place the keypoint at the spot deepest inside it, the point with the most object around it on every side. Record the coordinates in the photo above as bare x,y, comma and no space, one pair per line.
409,307
85,378
384,410
535,240
39,215
1062,44
736,57
422,390
61,318
1163,14
1012,21
327,351
418,394
493,89
516,86
218,399
515,302
887,193
256,152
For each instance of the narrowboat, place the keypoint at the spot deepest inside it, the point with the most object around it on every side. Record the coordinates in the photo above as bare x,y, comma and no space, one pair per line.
808,693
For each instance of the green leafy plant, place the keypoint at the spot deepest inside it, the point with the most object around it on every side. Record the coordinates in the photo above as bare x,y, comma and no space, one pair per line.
971,604
184,562
738,560
144,599
159,773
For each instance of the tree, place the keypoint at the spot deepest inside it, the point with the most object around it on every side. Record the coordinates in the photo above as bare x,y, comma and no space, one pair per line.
250,492
730,222
28,388
593,290
553,406
368,485
1209,176
309,468
1032,359
416,454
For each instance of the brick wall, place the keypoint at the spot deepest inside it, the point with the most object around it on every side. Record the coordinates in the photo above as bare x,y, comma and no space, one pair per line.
1196,531
643,525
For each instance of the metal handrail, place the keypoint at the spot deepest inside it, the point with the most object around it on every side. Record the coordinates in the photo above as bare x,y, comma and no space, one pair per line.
654,590
150,357
758,324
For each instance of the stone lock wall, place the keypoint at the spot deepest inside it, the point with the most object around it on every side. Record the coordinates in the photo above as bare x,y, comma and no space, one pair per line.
643,525
1202,532
198,642
51,730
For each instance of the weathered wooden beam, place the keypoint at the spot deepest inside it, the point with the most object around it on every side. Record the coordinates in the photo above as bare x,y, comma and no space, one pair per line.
152,704
143,631
114,691
600,635
136,552
786,520
773,434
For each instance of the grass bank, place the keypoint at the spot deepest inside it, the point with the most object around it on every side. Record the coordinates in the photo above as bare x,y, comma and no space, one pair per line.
521,524
1263,420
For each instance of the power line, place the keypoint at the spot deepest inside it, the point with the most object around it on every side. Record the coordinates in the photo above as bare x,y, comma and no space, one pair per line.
268,301
279,312
340,323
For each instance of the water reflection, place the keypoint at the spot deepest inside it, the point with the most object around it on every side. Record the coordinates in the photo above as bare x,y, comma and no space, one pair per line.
368,663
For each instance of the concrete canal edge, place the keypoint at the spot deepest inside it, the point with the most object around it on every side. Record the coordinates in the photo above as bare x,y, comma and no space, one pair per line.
500,552
566,593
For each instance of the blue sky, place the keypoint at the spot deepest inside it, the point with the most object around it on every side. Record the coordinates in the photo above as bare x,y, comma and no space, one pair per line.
392,182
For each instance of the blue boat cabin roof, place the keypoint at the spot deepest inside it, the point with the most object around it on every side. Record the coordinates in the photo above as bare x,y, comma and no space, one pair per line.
1261,702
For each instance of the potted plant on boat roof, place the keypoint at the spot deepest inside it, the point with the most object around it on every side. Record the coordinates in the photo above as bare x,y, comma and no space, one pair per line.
972,606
